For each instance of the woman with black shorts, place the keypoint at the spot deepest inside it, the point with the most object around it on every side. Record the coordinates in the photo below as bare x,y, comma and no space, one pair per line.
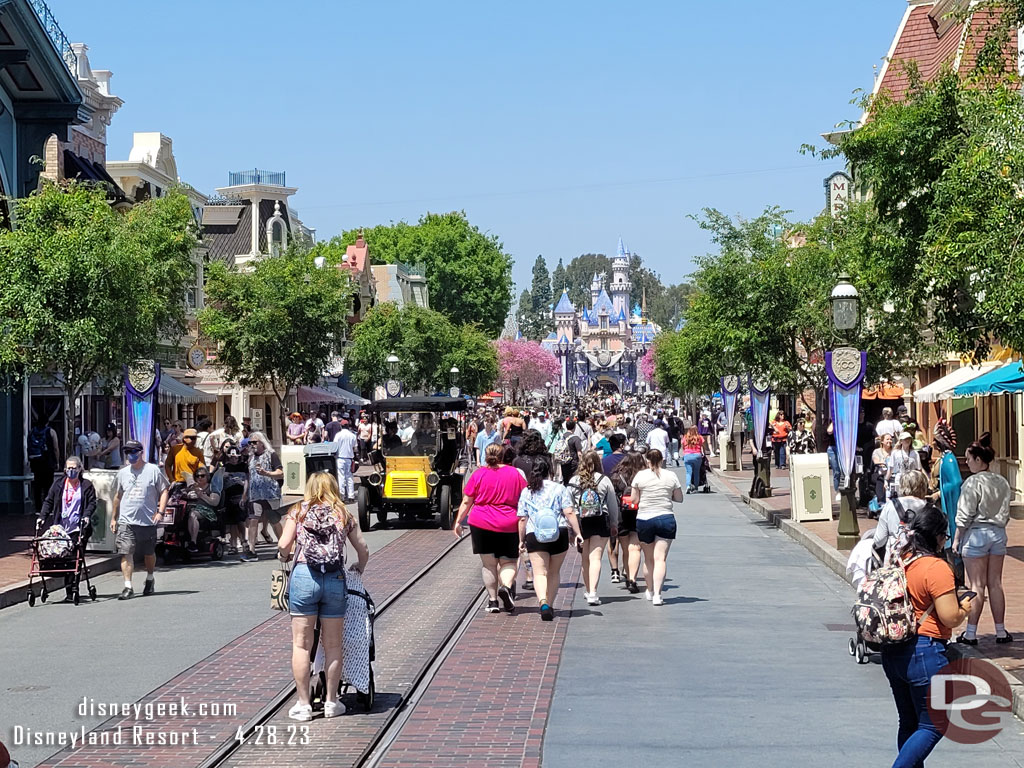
545,517
490,499
622,479
598,512
654,490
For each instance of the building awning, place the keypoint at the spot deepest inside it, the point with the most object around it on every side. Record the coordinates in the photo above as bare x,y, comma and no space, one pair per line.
346,397
942,389
885,391
173,391
314,395
1005,380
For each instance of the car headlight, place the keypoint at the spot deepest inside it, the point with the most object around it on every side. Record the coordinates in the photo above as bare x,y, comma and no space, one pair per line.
375,478
433,479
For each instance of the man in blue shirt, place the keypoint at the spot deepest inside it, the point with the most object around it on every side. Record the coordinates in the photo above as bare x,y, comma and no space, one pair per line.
489,435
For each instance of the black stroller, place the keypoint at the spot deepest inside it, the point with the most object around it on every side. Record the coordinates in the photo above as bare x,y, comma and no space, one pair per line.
57,552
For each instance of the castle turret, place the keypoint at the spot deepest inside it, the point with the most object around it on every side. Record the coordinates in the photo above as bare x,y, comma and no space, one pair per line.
621,285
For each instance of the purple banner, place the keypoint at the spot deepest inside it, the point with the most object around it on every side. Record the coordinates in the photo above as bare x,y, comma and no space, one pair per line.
730,391
760,399
845,368
141,385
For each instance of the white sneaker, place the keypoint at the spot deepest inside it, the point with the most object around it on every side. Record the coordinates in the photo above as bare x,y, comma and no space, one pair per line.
648,595
592,599
839,497
656,600
333,708
301,712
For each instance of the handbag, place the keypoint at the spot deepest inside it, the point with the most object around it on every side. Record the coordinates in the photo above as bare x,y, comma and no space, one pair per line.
279,579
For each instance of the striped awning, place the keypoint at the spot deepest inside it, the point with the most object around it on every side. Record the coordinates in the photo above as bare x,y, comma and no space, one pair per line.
173,391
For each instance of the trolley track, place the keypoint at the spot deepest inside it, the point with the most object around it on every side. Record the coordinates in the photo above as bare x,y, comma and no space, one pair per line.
372,748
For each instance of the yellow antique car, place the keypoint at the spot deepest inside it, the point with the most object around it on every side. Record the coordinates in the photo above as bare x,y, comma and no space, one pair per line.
416,459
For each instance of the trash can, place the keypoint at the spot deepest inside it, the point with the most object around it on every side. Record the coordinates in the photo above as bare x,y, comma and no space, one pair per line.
102,538
810,487
293,460
320,457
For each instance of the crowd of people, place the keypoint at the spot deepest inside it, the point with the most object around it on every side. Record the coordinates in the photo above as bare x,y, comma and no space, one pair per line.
596,478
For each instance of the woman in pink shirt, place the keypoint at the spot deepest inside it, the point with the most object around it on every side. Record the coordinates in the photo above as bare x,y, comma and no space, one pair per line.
693,457
491,499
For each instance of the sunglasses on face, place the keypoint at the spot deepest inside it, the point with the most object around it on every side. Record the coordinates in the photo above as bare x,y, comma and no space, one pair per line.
201,475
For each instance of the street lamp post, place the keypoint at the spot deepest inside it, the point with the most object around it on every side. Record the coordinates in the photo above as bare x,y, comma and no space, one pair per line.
393,387
547,386
845,370
453,382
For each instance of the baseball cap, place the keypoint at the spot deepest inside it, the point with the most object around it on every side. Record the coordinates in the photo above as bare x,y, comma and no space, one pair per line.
190,432
134,445
904,435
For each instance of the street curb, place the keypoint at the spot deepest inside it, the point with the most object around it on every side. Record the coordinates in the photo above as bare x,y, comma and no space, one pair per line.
834,561
15,593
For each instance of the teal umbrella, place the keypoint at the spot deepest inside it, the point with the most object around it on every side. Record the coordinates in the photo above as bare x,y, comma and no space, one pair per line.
1005,380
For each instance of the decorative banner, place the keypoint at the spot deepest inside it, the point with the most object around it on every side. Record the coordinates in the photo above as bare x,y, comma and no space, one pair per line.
760,399
141,385
845,368
730,391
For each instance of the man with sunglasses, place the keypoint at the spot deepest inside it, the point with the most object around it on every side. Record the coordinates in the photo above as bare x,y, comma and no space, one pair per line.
141,491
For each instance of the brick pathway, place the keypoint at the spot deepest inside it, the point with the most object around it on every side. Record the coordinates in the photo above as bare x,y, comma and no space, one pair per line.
408,635
248,672
489,703
1010,657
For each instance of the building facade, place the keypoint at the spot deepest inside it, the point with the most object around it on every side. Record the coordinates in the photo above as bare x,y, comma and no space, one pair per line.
600,345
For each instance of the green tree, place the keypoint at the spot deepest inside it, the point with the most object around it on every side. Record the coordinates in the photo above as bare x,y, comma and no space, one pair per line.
278,322
469,274
558,281
540,301
85,290
427,344
945,166
579,274
761,305
524,313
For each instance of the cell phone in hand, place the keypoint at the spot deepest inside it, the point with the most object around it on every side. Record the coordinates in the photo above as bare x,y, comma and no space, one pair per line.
969,593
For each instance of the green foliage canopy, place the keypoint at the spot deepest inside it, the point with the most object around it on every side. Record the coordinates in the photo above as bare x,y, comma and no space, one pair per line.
469,274
85,290
428,345
280,321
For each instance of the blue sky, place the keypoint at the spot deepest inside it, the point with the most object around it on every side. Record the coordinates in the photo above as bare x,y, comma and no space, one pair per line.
558,126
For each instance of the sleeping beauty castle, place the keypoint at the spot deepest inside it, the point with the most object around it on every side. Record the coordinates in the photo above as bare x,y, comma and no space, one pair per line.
600,346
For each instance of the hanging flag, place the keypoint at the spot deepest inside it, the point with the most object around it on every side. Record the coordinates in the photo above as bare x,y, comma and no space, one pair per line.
141,385
760,399
845,368
730,391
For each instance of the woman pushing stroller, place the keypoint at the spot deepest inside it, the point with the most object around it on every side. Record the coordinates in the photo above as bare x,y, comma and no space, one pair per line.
70,504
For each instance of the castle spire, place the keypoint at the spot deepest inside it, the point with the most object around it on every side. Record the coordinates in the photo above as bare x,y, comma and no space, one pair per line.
643,307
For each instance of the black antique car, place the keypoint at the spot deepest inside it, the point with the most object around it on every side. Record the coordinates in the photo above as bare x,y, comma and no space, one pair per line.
416,458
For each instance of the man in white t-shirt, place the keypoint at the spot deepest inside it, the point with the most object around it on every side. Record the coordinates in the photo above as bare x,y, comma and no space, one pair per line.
658,438
888,425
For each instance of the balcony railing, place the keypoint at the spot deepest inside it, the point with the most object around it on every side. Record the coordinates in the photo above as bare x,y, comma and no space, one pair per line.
256,176
56,35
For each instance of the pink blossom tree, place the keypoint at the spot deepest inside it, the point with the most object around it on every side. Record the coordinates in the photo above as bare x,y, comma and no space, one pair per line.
647,364
528,362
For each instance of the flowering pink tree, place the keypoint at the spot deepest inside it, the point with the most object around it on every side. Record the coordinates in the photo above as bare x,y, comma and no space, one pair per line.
528,362
647,363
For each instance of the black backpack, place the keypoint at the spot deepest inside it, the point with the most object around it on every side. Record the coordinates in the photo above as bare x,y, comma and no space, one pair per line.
37,442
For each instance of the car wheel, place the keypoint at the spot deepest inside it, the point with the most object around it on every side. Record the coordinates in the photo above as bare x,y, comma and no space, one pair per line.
363,505
444,508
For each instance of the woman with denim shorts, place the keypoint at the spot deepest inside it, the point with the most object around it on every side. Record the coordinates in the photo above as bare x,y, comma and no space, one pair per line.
982,513
910,666
319,524
654,491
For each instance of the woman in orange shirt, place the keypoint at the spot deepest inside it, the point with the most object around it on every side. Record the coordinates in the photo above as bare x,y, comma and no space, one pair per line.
911,666
780,434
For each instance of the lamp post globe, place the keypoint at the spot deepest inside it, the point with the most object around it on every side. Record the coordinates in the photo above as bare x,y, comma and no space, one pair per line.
845,303
393,362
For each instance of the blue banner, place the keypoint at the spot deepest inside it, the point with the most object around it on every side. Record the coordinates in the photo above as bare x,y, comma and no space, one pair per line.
845,368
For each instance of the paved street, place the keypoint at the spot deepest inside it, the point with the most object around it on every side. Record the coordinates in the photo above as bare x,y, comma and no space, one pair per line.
53,655
739,668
